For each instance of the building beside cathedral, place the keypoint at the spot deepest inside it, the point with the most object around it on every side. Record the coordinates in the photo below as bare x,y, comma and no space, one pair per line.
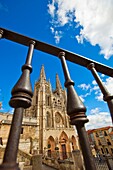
102,140
45,127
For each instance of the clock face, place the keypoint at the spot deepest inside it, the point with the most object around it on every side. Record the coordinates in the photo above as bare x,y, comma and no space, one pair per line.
57,118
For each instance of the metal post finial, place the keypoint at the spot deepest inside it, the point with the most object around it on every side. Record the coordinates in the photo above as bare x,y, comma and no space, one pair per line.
21,99
22,91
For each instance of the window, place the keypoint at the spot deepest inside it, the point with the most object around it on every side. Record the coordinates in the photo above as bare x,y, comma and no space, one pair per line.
49,145
107,151
108,142
103,141
102,150
105,133
100,133
48,100
22,129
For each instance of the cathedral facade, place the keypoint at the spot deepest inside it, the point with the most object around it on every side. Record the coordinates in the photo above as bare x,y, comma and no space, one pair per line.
45,127
55,134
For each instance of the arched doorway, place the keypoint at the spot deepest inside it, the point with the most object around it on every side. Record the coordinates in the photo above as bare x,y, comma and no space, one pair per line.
51,146
64,148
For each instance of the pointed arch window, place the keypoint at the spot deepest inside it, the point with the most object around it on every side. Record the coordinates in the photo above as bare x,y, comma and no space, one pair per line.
48,119
47,100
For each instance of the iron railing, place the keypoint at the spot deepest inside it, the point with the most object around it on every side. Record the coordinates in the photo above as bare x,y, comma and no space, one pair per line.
22,95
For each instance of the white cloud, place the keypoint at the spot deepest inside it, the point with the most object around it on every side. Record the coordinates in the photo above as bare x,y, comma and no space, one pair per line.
108,83
57,34
94,111
102,75
52,29
94,82
93,88
98,119
94,17
51,7
84,86
83,96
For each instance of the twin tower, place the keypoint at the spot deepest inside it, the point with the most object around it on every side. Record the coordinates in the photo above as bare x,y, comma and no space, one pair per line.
53,131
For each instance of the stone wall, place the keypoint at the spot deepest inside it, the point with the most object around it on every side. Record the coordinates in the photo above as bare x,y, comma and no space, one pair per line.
74,163
59,164
26,161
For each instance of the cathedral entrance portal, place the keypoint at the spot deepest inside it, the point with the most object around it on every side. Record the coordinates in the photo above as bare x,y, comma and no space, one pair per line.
51,146
64,147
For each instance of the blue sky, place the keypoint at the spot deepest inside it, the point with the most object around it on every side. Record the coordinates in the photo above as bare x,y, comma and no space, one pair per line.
83,27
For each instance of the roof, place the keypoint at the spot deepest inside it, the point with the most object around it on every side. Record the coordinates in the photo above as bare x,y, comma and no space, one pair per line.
95,130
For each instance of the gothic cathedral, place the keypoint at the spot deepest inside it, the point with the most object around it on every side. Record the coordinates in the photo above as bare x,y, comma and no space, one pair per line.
54,133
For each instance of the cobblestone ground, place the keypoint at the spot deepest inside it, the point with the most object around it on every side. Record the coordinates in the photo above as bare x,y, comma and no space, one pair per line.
44,167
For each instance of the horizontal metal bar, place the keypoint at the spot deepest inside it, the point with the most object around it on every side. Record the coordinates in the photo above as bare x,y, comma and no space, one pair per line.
72,57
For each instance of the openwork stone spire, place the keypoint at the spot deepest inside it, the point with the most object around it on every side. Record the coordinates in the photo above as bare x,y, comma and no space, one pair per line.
58,84
42,73
50,88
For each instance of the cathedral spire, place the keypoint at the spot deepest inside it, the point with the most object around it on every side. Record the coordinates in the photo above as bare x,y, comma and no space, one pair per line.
50,88
42,73
58,84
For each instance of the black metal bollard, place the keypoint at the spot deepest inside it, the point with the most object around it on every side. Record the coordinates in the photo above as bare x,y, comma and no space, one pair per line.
21,99
106,95
76,110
